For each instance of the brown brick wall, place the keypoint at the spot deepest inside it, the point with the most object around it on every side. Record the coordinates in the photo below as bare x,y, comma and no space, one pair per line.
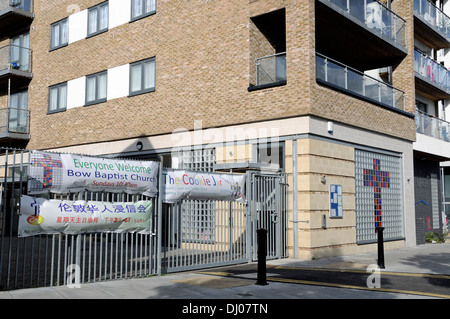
202,51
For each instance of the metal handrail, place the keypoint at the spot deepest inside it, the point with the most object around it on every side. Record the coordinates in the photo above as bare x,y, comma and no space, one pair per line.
272,74
396,24
432,70
18,124
20,4
429,125
357,82
436,14
6,59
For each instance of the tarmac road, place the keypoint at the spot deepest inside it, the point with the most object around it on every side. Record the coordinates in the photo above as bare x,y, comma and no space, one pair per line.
432,285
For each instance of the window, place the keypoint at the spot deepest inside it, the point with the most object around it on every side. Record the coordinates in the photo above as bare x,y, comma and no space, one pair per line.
142,8
57,100
96,85
98,19
142,76
59,34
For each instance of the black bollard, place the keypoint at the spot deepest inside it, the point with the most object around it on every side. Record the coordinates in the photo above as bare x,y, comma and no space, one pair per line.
380,247
262,253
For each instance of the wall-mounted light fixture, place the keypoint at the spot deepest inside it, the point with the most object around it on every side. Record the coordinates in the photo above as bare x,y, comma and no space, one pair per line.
139,145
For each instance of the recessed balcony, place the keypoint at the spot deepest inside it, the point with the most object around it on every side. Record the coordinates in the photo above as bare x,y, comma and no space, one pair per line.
431,25
364,34
350,81
15,15
432,78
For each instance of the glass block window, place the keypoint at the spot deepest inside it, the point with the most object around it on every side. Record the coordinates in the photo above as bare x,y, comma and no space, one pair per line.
378,196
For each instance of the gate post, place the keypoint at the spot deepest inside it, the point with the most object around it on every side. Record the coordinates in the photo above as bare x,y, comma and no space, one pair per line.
262,252
159,221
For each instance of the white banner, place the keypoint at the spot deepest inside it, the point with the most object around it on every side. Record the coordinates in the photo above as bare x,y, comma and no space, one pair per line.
181,184
67,173
43,216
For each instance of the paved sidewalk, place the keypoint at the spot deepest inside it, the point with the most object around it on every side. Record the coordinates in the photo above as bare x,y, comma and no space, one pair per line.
424,259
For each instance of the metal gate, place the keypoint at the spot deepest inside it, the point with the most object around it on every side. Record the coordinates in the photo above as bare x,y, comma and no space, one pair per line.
268,210
187,235
203,233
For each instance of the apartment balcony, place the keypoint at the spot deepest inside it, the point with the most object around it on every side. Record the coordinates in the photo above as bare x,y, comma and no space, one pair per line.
14,124
15,65
270,71
431,25
433,136
432,78
15,15
364,34
353,82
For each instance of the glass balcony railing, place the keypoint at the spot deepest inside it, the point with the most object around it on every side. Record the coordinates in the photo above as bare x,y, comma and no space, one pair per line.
15,57
357,83
26,5
14,120
432,126
433,16
377,17
271,69
433,71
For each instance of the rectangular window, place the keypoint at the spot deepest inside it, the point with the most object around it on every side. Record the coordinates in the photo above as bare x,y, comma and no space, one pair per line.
98,19
142,8
59,34
96,87
57,100
142,77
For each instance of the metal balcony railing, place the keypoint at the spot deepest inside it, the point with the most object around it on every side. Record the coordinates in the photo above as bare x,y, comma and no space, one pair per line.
433,71
271,69
357,83
377,17
15,57
432,126
26,5
433,16
14,120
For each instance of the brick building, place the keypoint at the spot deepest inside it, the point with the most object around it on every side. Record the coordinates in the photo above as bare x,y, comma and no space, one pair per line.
323,90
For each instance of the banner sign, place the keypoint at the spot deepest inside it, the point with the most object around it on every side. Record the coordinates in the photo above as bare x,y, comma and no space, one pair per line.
43,216
67,173
181,184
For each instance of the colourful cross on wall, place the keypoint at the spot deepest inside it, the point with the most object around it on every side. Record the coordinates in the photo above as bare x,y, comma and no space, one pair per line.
377,179
48,164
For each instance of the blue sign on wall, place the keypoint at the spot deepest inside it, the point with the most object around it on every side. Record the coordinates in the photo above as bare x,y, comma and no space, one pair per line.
336,201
